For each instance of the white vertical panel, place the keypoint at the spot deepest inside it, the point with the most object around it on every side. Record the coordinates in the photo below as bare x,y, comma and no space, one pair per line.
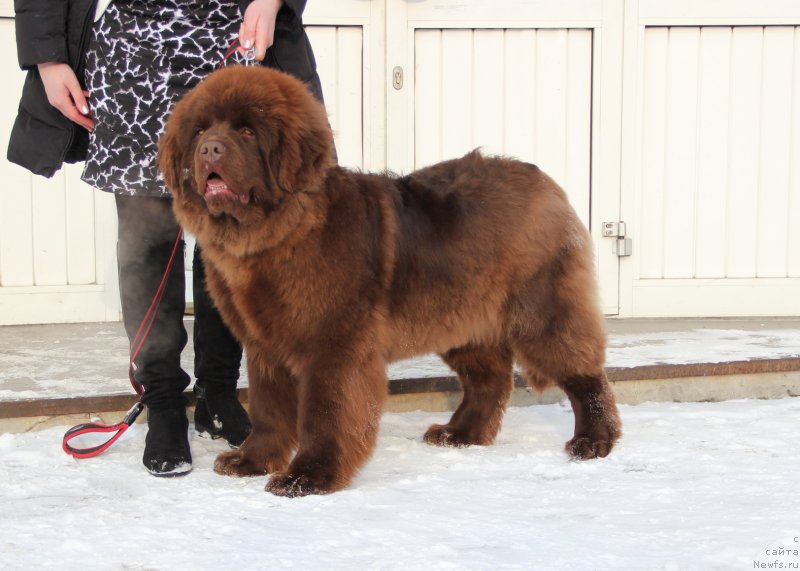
16,213
520,94
488,108
105,245
745,93
457,95
80,229
654,117
551,102
793,214
719,111
339,55
775,156
428,84
323,40
350,122
16,232
49,231
680,153
577,179
712,152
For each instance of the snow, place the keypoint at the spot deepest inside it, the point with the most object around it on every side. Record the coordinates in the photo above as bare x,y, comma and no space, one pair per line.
690,486
701,346
657,348
92,358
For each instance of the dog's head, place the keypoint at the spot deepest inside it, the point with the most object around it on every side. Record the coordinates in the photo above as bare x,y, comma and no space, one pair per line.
237,153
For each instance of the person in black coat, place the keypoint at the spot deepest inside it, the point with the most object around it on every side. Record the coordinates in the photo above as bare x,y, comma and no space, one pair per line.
101,82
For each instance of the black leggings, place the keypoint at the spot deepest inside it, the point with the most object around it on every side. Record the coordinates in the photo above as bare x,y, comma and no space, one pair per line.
147,234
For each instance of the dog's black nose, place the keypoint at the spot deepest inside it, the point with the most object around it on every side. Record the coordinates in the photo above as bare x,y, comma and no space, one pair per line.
212,150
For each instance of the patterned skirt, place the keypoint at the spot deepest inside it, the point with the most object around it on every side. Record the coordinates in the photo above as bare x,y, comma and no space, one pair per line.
144,55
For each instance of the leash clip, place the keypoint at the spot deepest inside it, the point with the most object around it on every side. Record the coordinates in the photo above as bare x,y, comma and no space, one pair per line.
133,413
249,57
246,57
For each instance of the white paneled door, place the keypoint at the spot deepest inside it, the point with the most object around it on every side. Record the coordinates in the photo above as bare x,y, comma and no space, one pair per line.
520,79
524,93
712,161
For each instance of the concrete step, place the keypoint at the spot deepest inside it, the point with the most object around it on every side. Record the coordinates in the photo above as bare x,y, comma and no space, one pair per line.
69,373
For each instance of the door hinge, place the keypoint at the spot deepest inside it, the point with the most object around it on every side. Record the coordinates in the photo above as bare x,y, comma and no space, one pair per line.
622,246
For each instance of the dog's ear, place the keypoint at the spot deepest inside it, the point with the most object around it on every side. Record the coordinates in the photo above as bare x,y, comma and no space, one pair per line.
171,149
304,146
169,158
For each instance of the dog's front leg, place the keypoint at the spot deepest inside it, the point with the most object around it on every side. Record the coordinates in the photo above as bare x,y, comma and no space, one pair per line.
272,396
340,409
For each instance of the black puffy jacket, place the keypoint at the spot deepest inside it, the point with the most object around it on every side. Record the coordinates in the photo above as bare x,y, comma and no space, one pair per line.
42,139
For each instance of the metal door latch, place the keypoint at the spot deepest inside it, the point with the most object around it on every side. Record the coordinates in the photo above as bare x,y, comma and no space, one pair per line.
397,77
622,246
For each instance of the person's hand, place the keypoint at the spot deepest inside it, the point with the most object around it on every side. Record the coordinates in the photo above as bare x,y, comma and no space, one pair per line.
65,94
258,26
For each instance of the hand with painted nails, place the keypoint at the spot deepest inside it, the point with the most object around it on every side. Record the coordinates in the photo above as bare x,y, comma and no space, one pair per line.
258,26
65,94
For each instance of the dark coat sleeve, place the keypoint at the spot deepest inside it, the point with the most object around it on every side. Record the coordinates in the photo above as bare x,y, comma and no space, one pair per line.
297,6
291,51
291,8
41,30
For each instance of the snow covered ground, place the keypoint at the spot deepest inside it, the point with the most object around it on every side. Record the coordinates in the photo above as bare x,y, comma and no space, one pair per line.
690,486
74,360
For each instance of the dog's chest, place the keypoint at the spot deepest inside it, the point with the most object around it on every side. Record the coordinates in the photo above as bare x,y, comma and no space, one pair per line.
270,306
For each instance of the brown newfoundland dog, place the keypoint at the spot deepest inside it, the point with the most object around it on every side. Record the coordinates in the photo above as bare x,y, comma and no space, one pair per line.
326,275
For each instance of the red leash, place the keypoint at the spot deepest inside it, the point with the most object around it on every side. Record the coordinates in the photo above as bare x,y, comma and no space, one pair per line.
136,346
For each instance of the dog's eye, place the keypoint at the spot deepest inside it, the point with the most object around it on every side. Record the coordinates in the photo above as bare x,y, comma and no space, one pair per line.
199,132
247,132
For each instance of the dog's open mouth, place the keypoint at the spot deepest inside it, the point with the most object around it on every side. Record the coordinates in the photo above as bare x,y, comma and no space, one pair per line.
218,189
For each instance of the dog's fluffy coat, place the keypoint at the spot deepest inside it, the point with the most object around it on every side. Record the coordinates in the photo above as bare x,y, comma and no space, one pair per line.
326,275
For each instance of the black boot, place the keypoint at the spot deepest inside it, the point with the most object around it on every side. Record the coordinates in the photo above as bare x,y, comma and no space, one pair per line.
217,359
221,415
166,447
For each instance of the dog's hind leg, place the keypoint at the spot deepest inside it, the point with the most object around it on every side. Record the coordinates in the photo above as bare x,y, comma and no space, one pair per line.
561,339
486,377
272,396
340,408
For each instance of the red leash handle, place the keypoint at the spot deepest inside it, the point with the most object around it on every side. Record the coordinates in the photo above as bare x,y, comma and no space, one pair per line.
93,427
136,346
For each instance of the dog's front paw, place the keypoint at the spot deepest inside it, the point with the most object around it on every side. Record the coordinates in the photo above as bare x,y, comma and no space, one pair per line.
446,435
237,463
289,485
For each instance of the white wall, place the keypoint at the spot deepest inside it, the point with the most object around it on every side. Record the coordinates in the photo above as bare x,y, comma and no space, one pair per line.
57,236
681,118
